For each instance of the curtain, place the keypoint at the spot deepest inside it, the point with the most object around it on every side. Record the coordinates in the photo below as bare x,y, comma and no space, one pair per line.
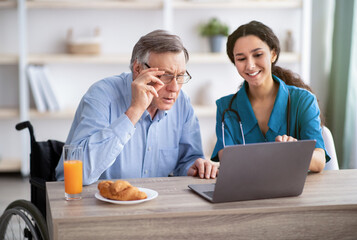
350,137
321,49
341,102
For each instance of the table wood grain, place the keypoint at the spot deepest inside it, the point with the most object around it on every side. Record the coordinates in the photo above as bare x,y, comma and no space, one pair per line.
327,209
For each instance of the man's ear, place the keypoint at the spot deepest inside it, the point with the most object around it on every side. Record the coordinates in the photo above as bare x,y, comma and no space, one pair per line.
136,69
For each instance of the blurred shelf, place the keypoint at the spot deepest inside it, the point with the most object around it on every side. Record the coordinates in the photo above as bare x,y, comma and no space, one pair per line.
200,111
10,165
13,113
66,114
8,113
7,4
205,111
289,57
209,58
73,58
6,59
157,4
284,57
125,58
229,4
94,4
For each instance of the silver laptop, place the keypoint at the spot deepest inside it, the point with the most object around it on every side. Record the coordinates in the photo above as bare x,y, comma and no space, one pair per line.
260,171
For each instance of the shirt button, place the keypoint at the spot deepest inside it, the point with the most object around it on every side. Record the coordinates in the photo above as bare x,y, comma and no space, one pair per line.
149,148
146,171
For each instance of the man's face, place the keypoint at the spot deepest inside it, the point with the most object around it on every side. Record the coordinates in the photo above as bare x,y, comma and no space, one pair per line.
171,63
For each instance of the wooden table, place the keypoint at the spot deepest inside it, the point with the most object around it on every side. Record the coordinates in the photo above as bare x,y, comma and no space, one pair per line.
327,209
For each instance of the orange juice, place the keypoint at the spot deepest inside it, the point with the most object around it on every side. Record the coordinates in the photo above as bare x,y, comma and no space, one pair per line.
73,176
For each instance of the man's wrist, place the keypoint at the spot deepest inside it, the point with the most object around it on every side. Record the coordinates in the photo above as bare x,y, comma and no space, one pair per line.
134,114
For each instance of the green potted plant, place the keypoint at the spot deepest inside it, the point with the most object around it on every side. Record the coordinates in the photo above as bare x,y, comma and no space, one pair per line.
215,30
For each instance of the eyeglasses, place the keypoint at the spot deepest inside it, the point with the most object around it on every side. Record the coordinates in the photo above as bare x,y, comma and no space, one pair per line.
167,78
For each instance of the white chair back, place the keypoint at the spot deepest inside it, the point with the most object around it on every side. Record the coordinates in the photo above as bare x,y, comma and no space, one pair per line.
330,148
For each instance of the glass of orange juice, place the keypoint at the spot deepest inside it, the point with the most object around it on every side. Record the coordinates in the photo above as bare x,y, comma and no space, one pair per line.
73,171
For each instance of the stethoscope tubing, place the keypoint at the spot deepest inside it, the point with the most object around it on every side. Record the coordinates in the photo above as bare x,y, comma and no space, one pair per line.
229,109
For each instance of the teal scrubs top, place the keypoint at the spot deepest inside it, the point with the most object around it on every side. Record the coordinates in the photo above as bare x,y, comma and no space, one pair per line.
304,118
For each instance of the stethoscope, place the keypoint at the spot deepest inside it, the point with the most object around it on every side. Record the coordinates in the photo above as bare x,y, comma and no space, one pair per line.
240,122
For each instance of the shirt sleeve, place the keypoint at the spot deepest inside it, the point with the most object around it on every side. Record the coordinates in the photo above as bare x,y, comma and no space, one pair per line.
190,145
309,121
102,140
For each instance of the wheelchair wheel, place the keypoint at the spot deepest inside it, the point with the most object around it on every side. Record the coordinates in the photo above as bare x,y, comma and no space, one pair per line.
22,220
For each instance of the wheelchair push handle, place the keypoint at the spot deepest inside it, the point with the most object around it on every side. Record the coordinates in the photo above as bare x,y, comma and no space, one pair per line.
26,124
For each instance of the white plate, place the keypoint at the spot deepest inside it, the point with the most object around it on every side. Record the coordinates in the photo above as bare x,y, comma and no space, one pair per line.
149,192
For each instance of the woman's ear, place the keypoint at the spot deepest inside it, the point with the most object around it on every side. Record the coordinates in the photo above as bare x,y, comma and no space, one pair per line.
273,56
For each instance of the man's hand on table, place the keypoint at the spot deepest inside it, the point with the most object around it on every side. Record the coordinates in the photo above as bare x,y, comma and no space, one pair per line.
204,169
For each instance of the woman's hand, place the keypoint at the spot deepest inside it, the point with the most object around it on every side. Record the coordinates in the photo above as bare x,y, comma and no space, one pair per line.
318,161
285,138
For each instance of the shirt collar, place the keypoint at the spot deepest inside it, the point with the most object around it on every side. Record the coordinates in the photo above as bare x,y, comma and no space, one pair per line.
279,113
245,110
160,115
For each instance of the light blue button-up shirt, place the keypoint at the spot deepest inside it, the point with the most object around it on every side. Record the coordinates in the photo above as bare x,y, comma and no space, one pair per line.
115,149
305,121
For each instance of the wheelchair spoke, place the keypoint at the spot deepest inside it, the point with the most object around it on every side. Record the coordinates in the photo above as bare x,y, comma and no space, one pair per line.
22,220
19,225
15,226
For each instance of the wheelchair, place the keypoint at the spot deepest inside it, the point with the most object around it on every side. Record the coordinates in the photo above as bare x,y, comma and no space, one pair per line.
24,219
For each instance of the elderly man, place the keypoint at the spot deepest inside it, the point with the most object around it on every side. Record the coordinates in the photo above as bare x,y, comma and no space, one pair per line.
141,124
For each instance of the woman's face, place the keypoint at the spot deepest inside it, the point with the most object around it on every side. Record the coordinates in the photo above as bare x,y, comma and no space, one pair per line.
253,60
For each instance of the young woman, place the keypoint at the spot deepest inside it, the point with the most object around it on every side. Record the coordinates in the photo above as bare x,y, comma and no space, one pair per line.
273,104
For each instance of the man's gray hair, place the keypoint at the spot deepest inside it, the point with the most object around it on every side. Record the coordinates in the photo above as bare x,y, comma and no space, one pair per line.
158,41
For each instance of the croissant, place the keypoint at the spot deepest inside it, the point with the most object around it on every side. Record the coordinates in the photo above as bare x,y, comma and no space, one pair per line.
120,190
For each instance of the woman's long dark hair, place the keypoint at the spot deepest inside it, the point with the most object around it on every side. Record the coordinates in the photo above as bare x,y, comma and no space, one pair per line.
267,35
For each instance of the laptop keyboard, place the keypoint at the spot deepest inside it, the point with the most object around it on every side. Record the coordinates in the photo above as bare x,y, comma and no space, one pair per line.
209,193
